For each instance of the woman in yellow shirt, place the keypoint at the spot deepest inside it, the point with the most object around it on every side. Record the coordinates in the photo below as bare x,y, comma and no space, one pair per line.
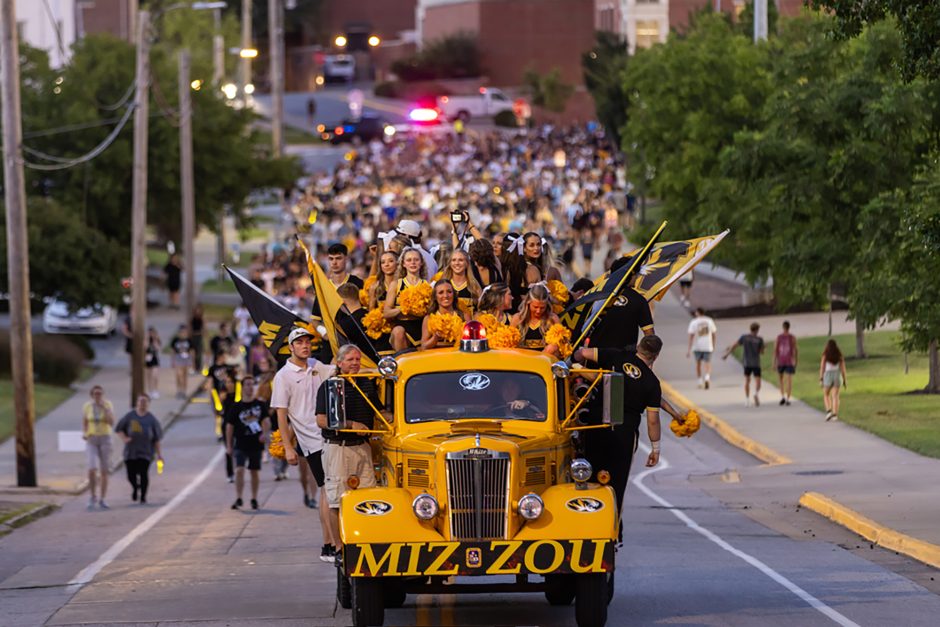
97,422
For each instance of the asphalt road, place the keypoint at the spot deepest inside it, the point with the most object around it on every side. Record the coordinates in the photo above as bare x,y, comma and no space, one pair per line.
187,559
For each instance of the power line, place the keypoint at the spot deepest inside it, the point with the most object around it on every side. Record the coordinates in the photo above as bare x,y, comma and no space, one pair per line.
56,28
63,164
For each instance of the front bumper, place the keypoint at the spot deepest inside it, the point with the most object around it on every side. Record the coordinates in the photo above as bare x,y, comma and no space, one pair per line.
484,557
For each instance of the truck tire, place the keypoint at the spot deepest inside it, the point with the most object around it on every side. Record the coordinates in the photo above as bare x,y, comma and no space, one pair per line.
343,590
610,586
394,594
560,589
368,602
464,116
590,606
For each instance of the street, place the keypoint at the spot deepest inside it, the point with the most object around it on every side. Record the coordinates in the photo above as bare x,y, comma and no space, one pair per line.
187,559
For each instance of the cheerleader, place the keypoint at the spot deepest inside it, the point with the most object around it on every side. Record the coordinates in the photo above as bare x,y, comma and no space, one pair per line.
465,286
444,303
406,329
496,301
386,276
535,318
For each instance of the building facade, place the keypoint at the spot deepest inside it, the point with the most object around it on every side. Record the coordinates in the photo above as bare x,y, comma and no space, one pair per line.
49,25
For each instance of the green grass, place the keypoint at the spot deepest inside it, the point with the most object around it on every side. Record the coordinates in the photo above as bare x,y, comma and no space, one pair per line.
253,232
217,313
214,286
47,398
880,397
157,257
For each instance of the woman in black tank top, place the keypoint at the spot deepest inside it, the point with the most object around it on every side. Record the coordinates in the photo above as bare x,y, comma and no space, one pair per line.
535,318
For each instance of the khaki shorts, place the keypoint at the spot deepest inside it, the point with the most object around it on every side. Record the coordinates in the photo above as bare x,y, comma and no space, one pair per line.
341,462
98,450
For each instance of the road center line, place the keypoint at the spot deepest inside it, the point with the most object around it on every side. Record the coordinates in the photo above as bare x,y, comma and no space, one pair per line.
89,572
812,601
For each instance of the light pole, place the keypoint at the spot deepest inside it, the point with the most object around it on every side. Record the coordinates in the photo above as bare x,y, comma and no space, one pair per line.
245,66
187,191
760,20
276,41
21,337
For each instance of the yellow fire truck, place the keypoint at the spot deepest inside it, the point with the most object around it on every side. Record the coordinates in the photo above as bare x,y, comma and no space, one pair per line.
480,488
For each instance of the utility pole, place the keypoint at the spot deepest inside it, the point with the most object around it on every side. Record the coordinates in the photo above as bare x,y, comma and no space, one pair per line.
218,50
139,207
276,41
245,73
760,20
21,335
188,199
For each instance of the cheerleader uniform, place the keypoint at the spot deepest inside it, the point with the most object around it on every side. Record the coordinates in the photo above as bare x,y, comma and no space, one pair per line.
411,324
463,298
534,337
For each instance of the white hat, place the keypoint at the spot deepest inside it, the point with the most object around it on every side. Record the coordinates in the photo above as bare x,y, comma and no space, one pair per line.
298,333
409,228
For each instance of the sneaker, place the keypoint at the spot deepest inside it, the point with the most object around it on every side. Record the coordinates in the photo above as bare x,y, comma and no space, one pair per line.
327,554
835,418
306,501
707,383
134,495
788,401
756,401
143,499
747,402
231,479
312,504
783,401
829,415
103,505
254,503
277,477
91,504
237,504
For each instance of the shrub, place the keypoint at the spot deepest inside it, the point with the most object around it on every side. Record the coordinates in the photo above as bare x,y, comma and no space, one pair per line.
82,343
505,118
456,56
57,360
388,89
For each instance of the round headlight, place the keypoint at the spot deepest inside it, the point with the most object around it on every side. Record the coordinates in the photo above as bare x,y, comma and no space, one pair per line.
581,470
388,366
531,506
560,370
425,506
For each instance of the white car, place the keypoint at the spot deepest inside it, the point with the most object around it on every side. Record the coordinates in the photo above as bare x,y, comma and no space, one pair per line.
339,67
58,317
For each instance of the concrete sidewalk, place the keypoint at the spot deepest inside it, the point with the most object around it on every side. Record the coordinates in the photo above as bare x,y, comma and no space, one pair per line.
61,472
881,491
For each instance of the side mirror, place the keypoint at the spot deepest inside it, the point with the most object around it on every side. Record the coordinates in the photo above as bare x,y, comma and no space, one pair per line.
335,403
613,398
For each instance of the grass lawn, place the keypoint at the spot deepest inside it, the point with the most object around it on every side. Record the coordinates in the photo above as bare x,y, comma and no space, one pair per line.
215,286
217,313
880,397
47,398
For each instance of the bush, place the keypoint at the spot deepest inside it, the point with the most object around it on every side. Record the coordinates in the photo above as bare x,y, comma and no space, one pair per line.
456,56
83,344
57,360
505,118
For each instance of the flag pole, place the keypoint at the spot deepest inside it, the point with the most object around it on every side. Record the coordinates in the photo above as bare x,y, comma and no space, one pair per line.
637,261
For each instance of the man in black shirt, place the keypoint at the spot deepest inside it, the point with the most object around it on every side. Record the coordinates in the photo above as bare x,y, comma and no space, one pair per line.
613,450
627,313
348,454
246,428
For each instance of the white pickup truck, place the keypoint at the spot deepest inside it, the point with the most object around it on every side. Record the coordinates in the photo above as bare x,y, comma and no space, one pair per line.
487,102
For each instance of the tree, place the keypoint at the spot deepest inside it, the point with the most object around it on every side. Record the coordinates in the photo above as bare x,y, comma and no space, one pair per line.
67,257
916,19
603,68
454,56
547,91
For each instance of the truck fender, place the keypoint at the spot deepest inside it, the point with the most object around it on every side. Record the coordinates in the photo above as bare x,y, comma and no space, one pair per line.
573,513
377,515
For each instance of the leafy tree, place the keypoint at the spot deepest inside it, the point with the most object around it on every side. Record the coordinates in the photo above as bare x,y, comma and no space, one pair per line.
547,91
603,68
67,257
916,19
454,56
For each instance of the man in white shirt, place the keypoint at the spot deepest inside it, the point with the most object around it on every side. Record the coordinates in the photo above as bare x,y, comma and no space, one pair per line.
294,398
702,336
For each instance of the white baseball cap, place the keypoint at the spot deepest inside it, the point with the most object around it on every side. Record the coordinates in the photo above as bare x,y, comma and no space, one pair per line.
298,333
409,228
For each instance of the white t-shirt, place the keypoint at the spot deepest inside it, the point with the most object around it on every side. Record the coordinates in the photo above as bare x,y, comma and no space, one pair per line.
701,329
295,389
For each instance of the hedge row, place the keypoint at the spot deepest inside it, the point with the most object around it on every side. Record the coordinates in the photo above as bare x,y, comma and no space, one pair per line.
57,360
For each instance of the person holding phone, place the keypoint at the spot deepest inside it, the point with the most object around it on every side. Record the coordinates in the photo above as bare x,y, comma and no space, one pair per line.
97,420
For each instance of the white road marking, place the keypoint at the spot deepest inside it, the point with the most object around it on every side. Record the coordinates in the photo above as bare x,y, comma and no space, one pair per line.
89,572
812,601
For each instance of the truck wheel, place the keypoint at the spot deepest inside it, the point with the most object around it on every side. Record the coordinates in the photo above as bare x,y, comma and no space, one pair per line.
610,587
368,603
463,116
395,595
590,606
343,590
560,589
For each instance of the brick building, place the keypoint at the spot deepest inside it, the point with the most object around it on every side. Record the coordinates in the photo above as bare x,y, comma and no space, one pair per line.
389,19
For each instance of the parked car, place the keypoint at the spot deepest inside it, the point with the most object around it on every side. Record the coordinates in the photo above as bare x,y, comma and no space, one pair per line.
339,67
366,128
487,102
60,317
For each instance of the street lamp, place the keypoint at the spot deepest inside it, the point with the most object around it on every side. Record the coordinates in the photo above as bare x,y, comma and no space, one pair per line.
340,41
248,53
374,41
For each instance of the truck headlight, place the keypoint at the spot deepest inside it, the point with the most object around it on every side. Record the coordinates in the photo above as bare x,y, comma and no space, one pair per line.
425,506
560,370
388,367
531,506
581,470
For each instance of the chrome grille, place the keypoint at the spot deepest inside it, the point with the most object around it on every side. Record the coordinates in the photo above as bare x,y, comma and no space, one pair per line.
535,471
477,494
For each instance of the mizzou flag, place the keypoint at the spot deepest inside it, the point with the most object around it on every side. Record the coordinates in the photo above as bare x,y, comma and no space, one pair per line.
658,269
340,327
274,320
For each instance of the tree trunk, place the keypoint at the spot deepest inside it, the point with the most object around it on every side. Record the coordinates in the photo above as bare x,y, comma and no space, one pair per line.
933,358
860,340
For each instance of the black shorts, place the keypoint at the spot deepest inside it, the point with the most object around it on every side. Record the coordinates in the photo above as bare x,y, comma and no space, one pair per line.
786,369
315,461
250,458
750,370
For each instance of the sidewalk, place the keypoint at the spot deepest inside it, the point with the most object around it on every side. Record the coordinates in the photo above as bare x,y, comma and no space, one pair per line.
871,486
67,472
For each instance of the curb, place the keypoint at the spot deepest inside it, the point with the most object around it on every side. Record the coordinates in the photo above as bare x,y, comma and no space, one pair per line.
870,530
729,433
43,509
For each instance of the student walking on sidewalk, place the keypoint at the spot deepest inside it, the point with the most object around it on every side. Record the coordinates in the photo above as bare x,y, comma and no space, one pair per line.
702,336
246,429
97,421
831,375
753,347
786,356
141,433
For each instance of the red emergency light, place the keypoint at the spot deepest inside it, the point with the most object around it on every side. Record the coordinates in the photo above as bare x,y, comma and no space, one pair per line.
423,114
474,338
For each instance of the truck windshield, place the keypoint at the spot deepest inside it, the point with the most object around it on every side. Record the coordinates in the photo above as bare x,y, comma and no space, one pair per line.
475,394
